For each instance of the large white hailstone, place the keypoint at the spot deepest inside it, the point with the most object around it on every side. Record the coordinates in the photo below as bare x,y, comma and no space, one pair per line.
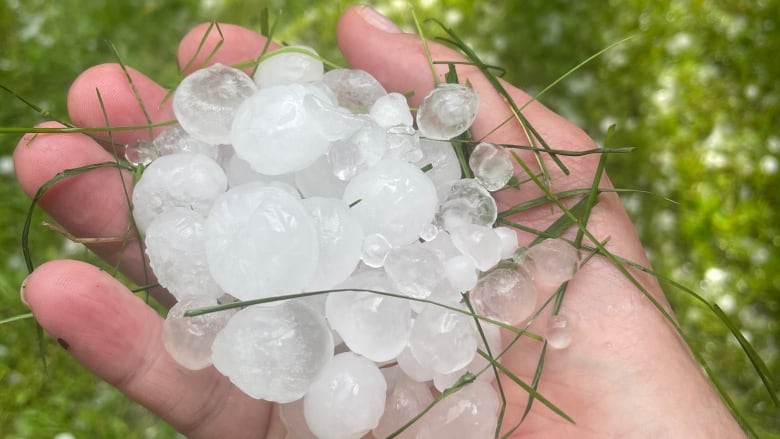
177,254
493,336
468,202
471,413
504,294
261,242
391,110
205,102
394,199
355,89
289,66
372,325
444,339
340,241
445,167
480,243
347,398
553,261
273,352
405,400
447,111
272,130
491,166
192,181
188,339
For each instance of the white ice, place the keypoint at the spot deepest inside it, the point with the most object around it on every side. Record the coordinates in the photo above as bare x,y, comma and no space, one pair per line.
188,339
447,111
355,89
468,202
553,261
289,66
507,295
491,166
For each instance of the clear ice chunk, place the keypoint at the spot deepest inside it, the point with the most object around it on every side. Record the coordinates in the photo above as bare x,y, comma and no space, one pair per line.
467,203
372,325
397,200
375,250
470,413
491,166
355,89
273,352
185,180
413,368
414,270
347,398
177,254
405,400
443,339
261,242
553,261
461,272
391,110
188,339
478,364
175,139
560,331
292,64
363,149
508,237
206,101
340,241
447,111
505,294
403,143
142,152
272,130
480,243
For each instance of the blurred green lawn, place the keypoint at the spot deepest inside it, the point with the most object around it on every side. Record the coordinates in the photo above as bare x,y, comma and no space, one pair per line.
695,91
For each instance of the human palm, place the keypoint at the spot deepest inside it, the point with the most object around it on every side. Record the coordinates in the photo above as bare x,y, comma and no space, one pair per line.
625,374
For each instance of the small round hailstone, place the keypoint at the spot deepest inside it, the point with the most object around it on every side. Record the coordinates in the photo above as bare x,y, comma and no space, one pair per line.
414,270
340,241
261,242
397,200
470,413
187,180
373,325
375,250
467,203
506,295
480,243
560,331
272,130
491,166
553,261
188,339
289,65
273,352
391,110
355,89
478,364
177,254
443,339
206,101
347,398
447,111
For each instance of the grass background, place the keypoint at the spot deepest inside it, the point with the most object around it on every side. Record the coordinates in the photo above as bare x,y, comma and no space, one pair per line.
695,91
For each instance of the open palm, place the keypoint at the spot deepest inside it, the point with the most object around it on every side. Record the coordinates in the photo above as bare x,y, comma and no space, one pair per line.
626,374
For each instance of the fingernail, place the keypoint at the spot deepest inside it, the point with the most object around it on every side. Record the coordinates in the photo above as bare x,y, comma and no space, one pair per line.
23,291
378,20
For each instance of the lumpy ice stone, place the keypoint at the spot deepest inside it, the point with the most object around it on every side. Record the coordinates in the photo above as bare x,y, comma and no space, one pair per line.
273,352
347,398
261,242
394,199
447,111
188,339
206,101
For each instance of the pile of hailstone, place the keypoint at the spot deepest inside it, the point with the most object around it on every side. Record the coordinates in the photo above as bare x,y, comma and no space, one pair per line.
296,180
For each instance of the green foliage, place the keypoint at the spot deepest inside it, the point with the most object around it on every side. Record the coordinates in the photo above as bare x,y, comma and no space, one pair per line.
695,92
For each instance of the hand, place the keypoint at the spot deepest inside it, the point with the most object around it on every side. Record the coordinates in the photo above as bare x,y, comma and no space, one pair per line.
626,374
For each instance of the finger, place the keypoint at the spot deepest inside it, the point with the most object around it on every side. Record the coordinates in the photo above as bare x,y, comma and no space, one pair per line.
228,44
116,336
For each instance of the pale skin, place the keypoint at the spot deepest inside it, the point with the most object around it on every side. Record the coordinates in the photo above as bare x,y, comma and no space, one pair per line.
625,374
